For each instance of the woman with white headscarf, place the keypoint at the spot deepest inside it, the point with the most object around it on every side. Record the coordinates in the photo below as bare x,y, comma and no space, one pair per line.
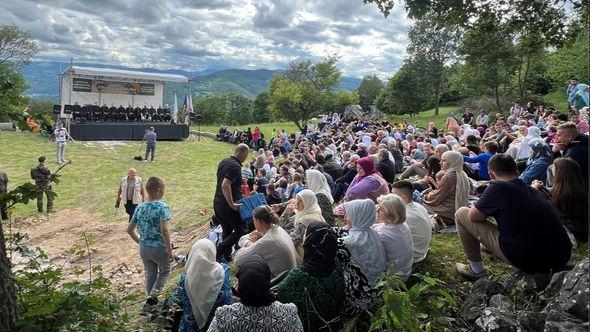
205,287
362,241
524,150
316,182
452,190
298,214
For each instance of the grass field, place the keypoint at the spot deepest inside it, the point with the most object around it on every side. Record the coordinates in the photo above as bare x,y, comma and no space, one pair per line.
91,181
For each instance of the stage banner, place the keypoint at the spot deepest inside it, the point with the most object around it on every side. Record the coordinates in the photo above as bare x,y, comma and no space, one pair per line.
93,86
82,85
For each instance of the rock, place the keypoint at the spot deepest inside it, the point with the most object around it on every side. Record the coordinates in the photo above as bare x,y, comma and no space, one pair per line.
501,302
566,326
530,321
488,286
528,283
496,320
481,291
568,310
555,285
472,307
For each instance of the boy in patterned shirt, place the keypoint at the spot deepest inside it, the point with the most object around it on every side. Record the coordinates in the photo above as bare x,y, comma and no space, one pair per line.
151,219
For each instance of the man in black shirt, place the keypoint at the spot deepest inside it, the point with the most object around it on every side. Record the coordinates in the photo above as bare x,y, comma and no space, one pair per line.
385,166
528,234
120,114
571,144
227,193
467,116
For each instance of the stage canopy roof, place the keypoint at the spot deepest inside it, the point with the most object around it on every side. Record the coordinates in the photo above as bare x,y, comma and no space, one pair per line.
120,74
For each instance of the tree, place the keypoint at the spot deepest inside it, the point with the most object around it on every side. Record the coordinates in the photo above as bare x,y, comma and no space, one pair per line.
368,90
343,98
16,46
437,47
490,58
12,87
260,111
402,93
549,15
303,91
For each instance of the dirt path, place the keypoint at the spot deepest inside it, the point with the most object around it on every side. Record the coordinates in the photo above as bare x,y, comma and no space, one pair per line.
61,236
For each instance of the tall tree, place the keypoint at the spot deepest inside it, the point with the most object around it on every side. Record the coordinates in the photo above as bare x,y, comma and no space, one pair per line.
490,57
260,111
437,47
304,90
16,47
550,15
368,90
403,94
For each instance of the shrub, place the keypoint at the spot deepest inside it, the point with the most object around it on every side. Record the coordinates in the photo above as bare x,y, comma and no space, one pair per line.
423,306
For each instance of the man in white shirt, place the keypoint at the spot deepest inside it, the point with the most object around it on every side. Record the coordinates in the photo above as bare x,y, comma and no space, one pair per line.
416,218
61,136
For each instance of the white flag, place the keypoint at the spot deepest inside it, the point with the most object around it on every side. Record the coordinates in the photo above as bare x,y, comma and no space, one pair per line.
175,108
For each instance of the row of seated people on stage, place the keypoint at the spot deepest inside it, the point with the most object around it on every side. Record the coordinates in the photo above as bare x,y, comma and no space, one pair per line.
105,113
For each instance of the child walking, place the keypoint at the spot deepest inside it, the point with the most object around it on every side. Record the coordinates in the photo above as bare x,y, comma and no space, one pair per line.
151,219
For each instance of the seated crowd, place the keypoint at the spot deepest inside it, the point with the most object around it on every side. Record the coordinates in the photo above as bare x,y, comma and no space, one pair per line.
354,198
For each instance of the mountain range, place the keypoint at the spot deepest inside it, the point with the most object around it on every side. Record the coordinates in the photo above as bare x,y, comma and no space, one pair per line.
43,77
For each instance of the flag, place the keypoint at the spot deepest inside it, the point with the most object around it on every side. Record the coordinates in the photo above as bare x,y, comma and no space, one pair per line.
188,104
175,108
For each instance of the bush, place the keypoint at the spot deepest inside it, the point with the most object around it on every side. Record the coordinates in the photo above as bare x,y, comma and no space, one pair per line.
423,306
47,302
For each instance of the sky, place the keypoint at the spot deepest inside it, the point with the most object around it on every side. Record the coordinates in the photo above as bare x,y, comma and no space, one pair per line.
195,35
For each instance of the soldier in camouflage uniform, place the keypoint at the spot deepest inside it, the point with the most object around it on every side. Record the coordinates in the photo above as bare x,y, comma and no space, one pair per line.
3,190
41,176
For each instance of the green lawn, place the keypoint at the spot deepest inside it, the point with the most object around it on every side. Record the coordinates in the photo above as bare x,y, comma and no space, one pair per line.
91,181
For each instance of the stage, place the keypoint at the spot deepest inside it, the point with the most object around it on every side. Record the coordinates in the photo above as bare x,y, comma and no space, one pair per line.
126,131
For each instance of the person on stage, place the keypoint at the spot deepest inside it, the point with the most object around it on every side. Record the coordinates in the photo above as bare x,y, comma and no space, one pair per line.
104,111
144,113
76,110
112,113
137,114
152,112
120,114
129,113
228,192
160,114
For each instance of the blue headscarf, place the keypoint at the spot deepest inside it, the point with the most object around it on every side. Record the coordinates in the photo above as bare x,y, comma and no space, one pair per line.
540,150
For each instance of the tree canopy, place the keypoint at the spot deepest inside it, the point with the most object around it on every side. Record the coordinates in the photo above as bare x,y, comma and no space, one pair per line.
304,91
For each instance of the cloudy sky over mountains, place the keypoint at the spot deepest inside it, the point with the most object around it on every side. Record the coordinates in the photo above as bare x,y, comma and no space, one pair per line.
201,34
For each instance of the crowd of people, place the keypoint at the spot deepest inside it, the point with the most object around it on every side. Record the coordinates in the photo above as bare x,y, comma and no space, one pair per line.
352,198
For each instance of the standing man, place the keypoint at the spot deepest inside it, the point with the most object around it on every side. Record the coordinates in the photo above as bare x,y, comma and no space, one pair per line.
227,193
3,190
41,176
150,143
131,191
61,136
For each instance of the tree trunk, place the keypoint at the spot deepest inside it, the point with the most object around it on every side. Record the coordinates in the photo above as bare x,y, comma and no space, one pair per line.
497,95
8,303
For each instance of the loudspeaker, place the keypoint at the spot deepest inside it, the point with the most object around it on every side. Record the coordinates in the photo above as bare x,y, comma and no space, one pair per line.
80,120
56,109
199,118
68,109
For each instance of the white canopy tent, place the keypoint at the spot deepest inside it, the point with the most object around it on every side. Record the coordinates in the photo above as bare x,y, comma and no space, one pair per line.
106,86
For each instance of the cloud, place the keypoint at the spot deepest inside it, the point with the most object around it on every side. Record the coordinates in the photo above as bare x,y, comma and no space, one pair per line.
201,34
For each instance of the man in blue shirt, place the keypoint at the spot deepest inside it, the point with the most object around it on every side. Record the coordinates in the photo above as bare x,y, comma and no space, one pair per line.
490,149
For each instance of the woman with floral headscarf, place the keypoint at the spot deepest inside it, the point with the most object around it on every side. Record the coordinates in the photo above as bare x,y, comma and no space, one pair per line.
368,183
452,190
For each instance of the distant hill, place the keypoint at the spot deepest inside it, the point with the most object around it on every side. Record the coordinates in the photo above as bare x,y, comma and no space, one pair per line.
43,76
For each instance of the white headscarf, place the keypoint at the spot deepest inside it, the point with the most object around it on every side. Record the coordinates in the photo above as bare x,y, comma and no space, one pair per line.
204,278
363,242
311,210
316,182
455,161
524,149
